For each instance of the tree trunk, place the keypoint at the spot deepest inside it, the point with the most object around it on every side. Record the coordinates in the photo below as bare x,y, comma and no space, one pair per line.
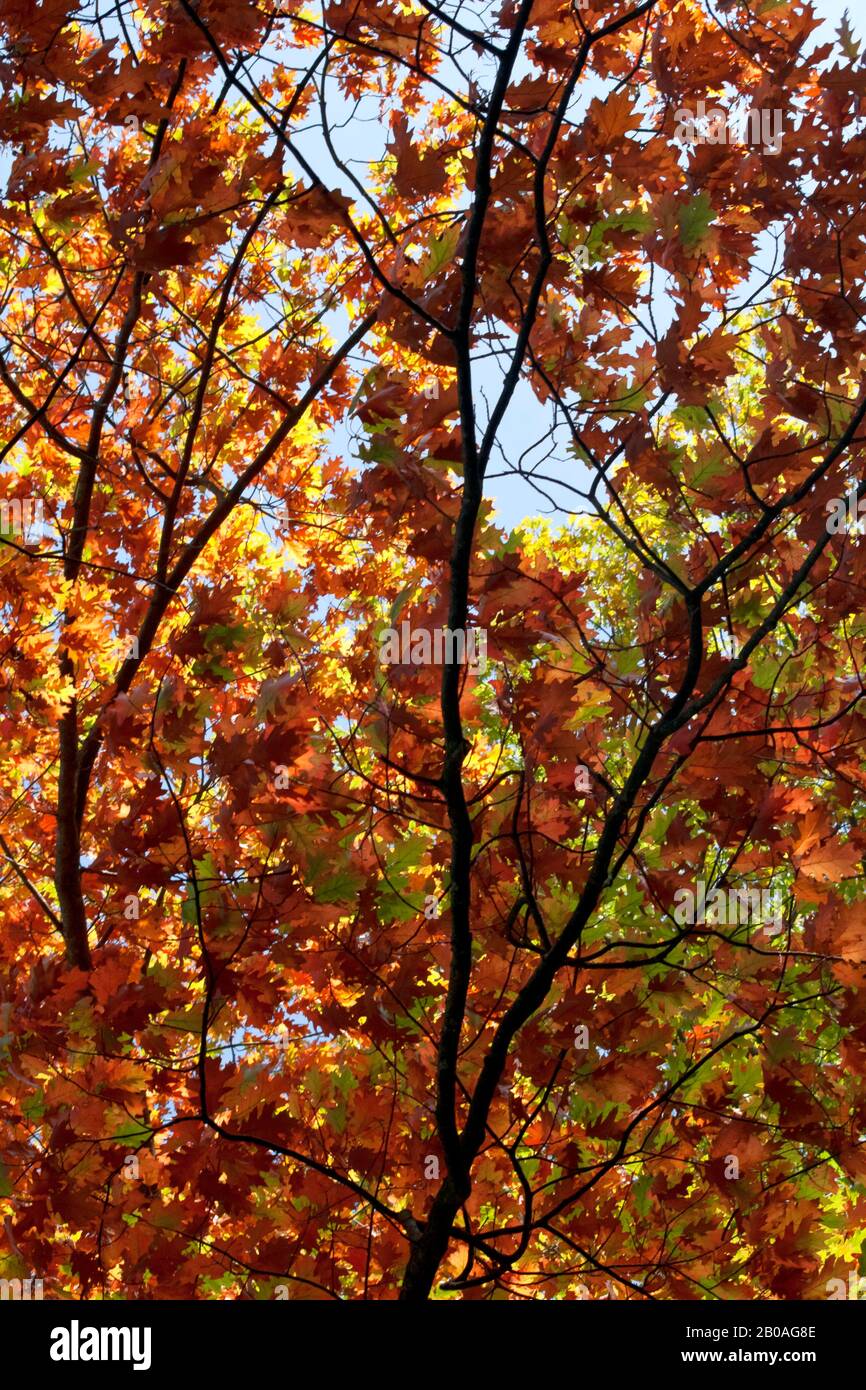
67,861
429,1249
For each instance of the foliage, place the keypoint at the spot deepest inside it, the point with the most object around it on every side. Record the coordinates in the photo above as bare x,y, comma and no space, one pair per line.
331,976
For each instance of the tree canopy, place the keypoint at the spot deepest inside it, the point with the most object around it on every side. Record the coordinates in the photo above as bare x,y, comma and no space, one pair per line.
334,966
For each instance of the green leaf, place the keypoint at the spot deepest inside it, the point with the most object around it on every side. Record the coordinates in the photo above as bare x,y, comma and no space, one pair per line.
341,887
315,1083
346,1082
629,661
336,1116
185,1020
694,417
82,172
840,413
632,220
699,472
694,221
133,1138
189,911
635,398
206,871
224,637
34,1106
333,883
765,670
441,251
400,603
566,231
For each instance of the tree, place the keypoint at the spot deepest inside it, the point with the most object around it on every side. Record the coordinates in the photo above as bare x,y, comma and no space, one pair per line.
346,954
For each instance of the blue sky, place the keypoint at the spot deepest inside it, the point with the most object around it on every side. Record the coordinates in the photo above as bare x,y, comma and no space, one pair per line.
363,138
514,498
526,422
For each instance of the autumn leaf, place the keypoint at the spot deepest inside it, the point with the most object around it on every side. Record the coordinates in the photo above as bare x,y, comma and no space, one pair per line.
432,737
612,117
